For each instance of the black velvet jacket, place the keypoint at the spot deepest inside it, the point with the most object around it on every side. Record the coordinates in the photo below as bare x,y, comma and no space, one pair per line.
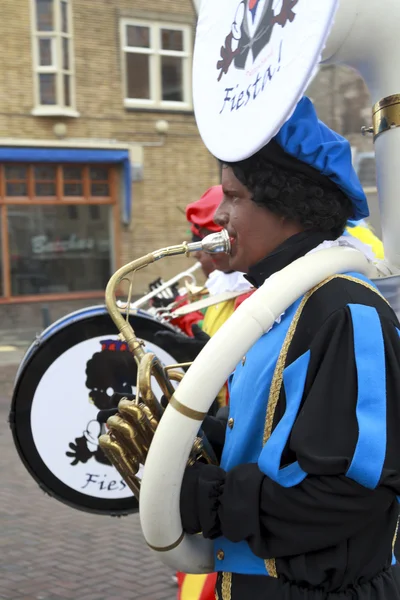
329,534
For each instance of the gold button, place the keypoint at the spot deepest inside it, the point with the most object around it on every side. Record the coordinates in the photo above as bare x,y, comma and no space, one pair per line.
243,361
231,423
220,555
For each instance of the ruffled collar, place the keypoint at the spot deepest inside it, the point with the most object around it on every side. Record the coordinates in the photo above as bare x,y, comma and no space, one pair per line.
219,282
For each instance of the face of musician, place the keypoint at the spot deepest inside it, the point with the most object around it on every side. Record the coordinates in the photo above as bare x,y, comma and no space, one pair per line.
220,262
254,230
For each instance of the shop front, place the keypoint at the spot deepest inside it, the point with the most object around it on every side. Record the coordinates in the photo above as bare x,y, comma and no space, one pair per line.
60,213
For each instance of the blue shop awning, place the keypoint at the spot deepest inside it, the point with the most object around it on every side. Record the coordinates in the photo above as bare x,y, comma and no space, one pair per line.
76,155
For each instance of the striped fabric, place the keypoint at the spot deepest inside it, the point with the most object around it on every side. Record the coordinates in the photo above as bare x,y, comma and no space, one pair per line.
196,587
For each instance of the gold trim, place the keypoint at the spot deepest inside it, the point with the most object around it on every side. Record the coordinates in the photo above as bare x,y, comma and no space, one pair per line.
167,548
395,535
386,114
277,379
271,567
226,586
186,411
364,283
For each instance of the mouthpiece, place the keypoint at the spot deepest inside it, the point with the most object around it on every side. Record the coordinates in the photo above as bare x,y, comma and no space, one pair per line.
213,243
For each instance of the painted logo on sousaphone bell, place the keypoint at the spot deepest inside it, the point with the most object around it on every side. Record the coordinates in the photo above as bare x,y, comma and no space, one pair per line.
251,31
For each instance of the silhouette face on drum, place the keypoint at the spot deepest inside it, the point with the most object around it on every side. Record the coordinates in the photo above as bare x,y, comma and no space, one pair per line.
111,371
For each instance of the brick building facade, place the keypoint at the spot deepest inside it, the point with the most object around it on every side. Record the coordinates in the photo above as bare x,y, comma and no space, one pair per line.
99,149
96,123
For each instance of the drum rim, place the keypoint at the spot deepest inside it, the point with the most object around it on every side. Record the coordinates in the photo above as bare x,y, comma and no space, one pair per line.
35,465
66,321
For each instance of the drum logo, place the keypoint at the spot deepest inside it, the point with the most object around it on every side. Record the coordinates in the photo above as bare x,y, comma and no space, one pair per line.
250,34
110,374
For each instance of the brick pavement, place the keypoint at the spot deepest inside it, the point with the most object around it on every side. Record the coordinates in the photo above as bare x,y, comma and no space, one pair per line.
52,552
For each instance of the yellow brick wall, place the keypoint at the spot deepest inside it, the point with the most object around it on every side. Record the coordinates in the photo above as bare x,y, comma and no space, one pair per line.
174,175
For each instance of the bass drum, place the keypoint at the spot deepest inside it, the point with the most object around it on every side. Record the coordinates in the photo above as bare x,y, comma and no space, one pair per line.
68,374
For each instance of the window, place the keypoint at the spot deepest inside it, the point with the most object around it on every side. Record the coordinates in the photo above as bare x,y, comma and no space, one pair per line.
53,58
58,233
365,166
366,170
157,64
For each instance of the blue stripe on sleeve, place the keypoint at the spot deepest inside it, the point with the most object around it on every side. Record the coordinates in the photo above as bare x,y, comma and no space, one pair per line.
369,351
294,378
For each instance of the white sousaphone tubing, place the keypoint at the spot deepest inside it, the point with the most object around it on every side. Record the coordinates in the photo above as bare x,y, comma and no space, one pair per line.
173,439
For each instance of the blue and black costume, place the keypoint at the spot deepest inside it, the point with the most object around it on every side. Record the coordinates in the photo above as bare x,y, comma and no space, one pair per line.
305,502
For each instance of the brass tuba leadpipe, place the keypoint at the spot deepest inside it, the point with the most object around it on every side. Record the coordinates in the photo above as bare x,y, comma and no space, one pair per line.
132,429
212,244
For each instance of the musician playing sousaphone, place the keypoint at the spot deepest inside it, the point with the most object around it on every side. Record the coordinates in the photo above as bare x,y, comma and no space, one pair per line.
301,499
312,512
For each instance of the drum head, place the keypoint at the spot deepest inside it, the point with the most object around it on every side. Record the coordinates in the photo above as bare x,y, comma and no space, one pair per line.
67,376
252,63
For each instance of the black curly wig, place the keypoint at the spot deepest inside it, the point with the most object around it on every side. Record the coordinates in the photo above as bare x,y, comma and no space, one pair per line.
290,188
108,369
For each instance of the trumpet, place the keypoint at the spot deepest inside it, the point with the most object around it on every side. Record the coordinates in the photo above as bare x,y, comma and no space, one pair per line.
190,286
189,293
130,432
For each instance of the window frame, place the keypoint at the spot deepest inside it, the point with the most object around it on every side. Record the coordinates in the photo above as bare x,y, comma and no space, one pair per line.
155,76
57,68
31,199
